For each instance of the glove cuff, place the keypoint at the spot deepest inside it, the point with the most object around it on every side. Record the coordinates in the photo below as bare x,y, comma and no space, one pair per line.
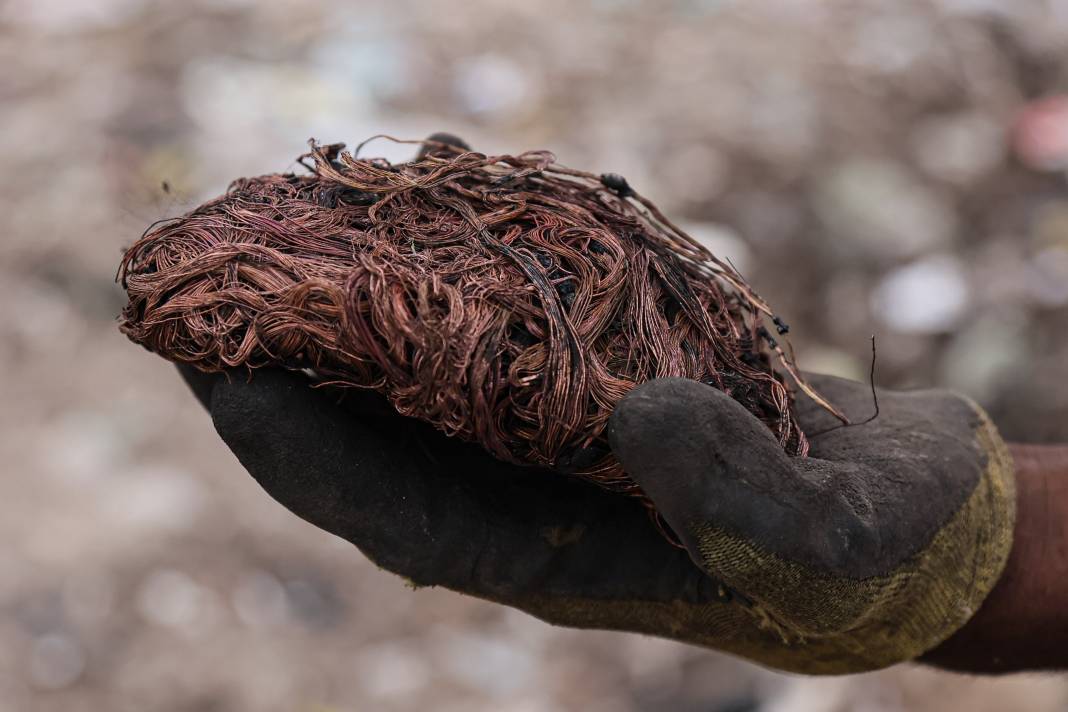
840,625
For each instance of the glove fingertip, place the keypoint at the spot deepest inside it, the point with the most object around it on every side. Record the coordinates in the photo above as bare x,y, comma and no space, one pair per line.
652,416
272,406
200,383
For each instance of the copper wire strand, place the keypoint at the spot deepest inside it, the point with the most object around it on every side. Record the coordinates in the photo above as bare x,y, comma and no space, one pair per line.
506,299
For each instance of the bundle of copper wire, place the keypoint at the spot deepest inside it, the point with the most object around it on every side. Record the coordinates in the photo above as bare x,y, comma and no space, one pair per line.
505,299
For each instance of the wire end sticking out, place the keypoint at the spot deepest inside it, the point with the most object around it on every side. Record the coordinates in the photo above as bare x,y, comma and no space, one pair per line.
874,398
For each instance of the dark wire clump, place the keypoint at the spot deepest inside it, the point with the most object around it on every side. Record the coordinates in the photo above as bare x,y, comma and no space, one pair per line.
507,300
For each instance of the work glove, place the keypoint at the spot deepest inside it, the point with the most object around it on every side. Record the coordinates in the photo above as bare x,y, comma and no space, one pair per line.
871,551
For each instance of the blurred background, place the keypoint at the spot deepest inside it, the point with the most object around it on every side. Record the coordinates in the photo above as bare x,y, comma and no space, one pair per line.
872,167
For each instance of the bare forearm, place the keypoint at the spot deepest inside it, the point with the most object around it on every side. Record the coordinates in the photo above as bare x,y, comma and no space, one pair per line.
1023,624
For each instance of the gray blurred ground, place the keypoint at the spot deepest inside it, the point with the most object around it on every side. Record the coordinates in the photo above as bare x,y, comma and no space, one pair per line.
859,161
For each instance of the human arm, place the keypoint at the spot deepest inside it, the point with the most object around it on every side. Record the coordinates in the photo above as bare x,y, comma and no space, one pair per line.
1023,624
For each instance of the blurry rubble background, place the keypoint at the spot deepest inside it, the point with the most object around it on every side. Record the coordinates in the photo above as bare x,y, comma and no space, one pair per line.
886,167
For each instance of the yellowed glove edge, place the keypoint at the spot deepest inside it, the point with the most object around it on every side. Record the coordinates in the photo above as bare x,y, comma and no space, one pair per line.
839,625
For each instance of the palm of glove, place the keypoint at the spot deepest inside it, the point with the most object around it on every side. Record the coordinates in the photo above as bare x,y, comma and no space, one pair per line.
802,564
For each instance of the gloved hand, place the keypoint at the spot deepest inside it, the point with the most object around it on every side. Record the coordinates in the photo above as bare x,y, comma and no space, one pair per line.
869,552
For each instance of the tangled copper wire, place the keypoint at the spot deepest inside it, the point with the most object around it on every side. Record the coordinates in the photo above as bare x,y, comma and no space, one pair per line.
505,299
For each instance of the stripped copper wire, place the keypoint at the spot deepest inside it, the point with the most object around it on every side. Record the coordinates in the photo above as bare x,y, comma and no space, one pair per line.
505,299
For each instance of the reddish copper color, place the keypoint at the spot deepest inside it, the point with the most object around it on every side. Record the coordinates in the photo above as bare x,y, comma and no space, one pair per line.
505,299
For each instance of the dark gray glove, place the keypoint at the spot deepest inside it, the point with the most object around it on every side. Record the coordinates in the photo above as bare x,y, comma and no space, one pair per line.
871,551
